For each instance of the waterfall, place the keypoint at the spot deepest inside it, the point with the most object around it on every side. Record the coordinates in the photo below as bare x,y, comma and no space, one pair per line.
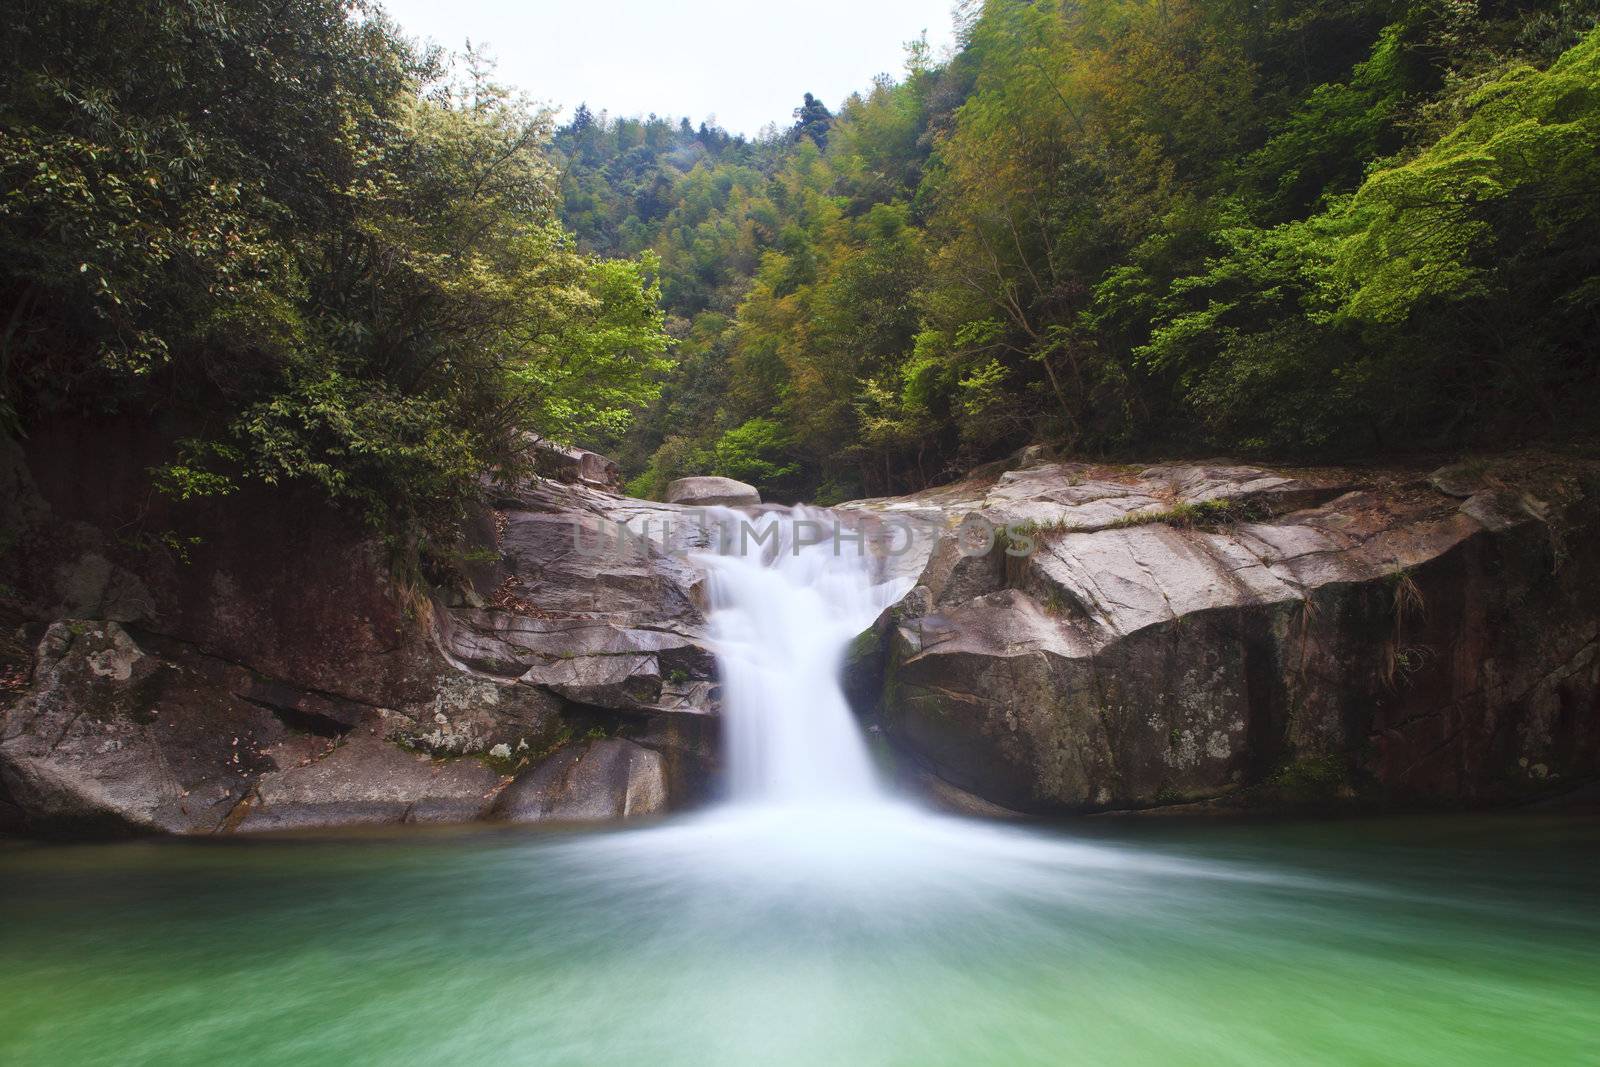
788,595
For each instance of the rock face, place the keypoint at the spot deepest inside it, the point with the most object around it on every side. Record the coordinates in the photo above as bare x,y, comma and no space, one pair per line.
367,781
708,491
1152,636
296,591
566,463
279,679
1078,638
596,781
593,601
111,739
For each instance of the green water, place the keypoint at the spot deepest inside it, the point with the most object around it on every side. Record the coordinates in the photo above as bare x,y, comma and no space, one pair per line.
896,939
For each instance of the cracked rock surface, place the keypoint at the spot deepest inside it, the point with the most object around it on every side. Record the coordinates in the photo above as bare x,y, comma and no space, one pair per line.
1182,633
1079,638
278,679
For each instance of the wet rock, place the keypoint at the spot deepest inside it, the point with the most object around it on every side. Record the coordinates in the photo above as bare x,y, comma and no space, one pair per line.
690,745
110,740
708,491
569,463
591,781
366,782
947,797
1149,651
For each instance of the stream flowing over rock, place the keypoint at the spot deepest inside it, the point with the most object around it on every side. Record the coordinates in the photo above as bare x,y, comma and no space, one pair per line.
1133,637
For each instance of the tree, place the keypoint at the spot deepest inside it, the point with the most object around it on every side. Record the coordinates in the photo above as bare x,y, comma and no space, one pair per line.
1127,228
812,120
326,260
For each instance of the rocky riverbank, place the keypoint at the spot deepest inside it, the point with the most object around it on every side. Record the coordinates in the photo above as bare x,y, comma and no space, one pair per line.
276,675
1133,637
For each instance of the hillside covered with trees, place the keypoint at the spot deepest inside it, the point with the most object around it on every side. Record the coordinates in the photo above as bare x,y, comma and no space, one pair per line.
326,254
1123,227
306,249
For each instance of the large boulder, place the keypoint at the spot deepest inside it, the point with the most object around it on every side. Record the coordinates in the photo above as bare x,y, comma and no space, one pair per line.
704,491
596,601
1154,647
568,463
111,739
598,780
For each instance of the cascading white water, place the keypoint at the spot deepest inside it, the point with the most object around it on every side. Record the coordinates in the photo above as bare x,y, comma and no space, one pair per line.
799,921
807,822
787,597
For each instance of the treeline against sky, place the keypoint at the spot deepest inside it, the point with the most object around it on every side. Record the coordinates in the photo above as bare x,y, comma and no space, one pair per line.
1126,227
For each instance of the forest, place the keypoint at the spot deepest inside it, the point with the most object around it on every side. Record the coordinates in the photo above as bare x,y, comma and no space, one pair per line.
1330,231
309,250
329,254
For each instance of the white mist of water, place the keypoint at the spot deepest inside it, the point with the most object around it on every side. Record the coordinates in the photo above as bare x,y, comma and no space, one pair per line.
791,920
806,812
788,595
807,824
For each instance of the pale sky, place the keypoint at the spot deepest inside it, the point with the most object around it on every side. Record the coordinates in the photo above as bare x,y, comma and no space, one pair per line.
747,63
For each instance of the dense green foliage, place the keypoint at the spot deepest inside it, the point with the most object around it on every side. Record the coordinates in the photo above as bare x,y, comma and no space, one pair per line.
322,255
1122,227
1119,226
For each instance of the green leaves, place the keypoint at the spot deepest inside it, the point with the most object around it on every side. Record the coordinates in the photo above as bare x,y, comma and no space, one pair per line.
591,364
1114,225
1442,291
754,451
282,223
1425,230
191,476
